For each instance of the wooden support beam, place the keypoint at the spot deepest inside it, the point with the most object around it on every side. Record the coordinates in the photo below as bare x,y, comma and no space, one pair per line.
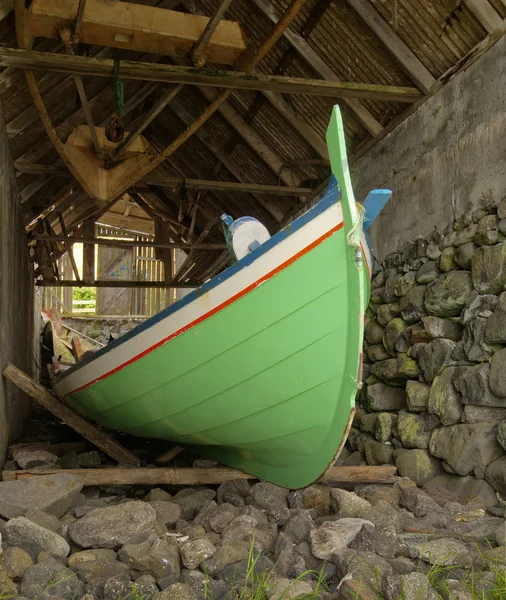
68,246
231,80
162,237
76,36
127,243
88,229
170,454
92,433
320,67
188,260
485,13
117,284
201,476
399,50
199,53
175,183
165,99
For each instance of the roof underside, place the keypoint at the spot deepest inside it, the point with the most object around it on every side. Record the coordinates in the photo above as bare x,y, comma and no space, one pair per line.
265,149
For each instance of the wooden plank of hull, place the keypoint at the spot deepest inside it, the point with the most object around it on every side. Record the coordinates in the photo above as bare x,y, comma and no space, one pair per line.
212,476
136,27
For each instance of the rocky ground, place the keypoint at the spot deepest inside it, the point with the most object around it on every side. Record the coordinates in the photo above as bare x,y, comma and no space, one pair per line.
247,541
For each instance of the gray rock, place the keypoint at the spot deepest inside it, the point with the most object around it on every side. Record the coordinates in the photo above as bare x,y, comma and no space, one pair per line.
89,570
463,256
43,519
64,582
389,294
234,492
357,440
435,356
483,414
158,495
384,426
378,454
468,489
474,388
433,251
414,430
417,396
373,332
334,536
272,499
417,464
495,475
246,529
495,331
113,526
436,327
178,591
412,305
414,586
298,526
166,512
54,494
146,587
348,504
405,283
474,344
447,296
368,422
444,400
28,459
439,552
283,554
381,397
385,543
387,312
416,500
230,553
466,235
501,434
478,306
196,552
392,331
16,561
286,589
33,538
466,448
487,233
365,567
191,501
446,261
497,380
488,269
223,516
427,273
89,460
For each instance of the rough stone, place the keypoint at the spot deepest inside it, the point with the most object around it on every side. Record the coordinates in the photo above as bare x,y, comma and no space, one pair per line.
89,460
43,519
230,553
414,430
413,586
195,552
474,344
417,396
478,306
298,526
405,283
439,552
495,475
33,538
463,256
348,505
411,306
272,499
435,327
225,514
466,448
166,512
245,528
447,296
392,331
178,591
488,269
368,422
417,464
158,495
89,570
495,331
474,388
389,294
501,434
16,561
367,567
381,397
334,536
191,501
444,400
427,273
416,500
378,454
446,260
286,589
377,352
384,426
467,489
373,332
487,233
435,356
497,380
29,459
387,312
54,494
113,526
65,584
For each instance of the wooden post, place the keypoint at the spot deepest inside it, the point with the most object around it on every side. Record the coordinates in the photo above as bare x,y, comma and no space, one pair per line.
68,246
88,228
202,476
162,236
92,433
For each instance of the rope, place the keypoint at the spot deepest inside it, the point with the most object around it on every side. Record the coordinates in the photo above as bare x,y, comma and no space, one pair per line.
358,223
117,90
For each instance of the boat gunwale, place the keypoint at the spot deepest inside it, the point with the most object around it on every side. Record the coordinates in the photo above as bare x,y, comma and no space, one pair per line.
329,198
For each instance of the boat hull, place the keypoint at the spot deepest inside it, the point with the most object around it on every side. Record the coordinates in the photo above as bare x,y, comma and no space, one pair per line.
262,383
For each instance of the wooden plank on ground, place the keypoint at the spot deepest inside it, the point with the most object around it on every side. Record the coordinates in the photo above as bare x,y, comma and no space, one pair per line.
67,415
212,476
170,454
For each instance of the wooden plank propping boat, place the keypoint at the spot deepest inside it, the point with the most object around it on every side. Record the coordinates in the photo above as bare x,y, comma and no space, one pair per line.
260,366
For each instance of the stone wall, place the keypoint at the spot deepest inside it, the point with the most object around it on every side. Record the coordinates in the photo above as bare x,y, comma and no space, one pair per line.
102,328
16,299
434,398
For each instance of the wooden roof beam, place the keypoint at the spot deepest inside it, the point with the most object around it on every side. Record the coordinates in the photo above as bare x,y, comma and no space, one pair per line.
199,53
320,67
230,80
485,13
411,65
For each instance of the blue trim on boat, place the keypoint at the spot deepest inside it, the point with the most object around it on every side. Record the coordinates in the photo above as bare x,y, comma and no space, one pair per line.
322,205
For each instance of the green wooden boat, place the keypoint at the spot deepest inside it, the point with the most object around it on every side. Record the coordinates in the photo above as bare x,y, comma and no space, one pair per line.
259,367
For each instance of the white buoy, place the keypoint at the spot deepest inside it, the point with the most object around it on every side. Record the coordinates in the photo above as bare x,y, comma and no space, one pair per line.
245,235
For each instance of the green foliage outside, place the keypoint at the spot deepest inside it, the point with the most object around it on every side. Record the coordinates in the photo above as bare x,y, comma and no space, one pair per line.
84,293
